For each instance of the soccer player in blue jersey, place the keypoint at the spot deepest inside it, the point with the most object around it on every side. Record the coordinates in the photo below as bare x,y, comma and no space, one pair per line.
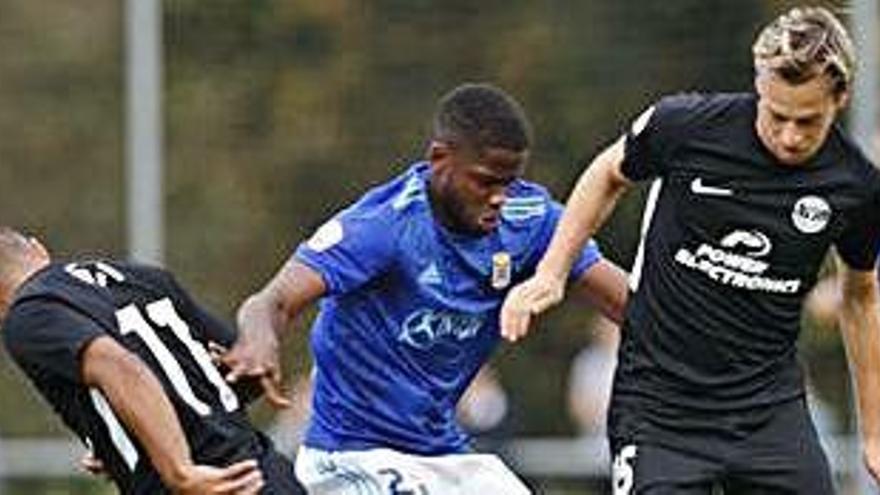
411,278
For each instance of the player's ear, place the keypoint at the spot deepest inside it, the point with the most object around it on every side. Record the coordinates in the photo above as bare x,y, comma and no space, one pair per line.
842,100
39,250
439,152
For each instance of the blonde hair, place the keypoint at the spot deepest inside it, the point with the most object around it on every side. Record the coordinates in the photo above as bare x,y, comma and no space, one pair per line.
804,43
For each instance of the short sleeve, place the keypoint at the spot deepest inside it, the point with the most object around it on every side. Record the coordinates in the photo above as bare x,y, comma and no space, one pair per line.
859,245
350,250
655,134
50,335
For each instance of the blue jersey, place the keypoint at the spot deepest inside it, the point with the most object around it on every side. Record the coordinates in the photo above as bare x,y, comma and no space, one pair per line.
411,312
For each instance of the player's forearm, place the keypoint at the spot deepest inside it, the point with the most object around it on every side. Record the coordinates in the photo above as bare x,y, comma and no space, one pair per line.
139,401
860,326
262,313
286,295
604,286
588,206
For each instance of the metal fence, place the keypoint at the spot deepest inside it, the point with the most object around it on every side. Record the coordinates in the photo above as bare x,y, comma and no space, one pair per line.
553,465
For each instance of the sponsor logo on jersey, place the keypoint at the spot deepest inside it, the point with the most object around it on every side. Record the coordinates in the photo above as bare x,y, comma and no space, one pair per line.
426,327
811,214
698,187
430,275
735,263
327,236
501,270
752,243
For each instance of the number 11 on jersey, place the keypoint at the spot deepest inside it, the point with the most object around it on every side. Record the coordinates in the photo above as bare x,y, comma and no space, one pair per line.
162,315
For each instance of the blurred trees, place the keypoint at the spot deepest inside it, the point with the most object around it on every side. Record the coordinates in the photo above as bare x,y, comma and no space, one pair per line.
279,113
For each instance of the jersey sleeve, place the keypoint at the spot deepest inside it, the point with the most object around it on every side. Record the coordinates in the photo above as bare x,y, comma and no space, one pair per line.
859,245
653,136
350,249
50,335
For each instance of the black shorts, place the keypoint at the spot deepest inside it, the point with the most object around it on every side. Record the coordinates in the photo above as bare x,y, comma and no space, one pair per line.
278,475
779,455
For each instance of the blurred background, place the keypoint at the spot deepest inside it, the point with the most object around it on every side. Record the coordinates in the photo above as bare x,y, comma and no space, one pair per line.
275,114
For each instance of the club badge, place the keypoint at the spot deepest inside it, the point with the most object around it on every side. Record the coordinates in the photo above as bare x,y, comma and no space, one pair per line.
811,214
501,270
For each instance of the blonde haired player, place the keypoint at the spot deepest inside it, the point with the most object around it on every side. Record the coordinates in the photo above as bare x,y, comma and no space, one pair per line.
750,192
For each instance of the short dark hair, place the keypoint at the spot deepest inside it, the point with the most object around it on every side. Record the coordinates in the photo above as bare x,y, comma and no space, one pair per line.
481,116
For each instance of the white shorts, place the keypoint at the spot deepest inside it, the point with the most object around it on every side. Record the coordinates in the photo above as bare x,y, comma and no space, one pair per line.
388,472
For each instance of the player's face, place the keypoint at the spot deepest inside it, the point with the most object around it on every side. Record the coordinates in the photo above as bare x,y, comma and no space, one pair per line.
794,120
29,255
469,188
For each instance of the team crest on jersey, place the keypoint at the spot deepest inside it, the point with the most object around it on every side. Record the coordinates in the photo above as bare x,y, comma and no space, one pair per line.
327,236
811,214
501,270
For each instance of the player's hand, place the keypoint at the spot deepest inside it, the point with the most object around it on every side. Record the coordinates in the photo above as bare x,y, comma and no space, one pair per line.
530,298
255,355
92,465
241,478
872,458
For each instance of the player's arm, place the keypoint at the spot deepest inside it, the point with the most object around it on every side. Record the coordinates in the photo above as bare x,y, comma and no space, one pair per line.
604,286
860,324
137,397
592,200
261,320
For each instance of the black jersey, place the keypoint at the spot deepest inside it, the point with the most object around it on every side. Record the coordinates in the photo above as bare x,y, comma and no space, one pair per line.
65,306
732,241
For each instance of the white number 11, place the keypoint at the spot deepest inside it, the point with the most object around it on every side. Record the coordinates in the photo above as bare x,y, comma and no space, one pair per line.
162,314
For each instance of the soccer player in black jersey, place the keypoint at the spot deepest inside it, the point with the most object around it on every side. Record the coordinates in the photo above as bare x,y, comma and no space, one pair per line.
120,351
750,192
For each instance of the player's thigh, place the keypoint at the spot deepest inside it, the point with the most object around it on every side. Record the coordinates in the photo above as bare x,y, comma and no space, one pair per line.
655,470
784,457
279,475
387,472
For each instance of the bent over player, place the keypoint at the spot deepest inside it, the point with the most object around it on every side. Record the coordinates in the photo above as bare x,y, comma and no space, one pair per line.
120,351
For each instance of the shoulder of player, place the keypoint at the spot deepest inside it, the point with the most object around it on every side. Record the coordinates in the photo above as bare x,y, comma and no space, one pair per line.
51,279
693,108
850,158
397,198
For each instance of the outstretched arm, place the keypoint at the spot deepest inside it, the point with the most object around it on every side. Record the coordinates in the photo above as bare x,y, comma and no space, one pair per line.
589,204
261,320
604,286
137,397
860,324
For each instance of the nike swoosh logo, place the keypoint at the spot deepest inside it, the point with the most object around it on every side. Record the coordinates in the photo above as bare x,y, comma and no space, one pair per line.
697,187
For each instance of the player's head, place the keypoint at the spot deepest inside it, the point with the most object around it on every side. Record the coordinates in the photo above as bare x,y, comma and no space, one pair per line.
20,256
480,144
804,63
